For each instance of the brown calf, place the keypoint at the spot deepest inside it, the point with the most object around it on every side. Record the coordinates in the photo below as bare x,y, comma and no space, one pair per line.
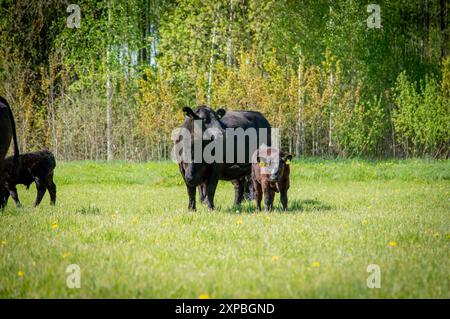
270,175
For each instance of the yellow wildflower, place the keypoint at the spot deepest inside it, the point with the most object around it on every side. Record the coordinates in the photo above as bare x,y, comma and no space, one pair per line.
316,264
203,296
393,243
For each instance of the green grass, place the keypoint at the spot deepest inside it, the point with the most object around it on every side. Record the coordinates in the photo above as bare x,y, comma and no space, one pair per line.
127,227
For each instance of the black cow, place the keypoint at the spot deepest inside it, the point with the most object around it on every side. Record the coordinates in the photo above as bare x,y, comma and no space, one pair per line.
36,168
7,131
207,174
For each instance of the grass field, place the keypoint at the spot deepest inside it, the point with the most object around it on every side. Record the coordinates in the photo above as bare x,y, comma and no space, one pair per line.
128,229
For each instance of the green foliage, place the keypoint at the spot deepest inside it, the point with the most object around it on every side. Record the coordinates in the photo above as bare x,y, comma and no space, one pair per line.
331,85
422,117
361,130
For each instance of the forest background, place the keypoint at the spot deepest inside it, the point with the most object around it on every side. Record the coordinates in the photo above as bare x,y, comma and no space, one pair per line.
334,82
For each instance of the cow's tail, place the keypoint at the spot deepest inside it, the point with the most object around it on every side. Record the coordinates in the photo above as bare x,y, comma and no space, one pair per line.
16,145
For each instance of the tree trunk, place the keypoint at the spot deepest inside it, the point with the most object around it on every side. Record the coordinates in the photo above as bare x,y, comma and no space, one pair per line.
109,154
230,40
443,27
211,56
330,124
300,144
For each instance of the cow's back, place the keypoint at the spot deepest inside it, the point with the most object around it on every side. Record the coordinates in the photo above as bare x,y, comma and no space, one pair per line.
244,120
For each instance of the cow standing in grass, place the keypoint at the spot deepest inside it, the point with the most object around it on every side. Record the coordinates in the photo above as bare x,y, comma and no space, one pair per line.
7,132
36,168
207,174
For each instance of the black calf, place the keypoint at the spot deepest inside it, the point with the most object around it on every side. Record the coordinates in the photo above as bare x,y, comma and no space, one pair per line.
33,167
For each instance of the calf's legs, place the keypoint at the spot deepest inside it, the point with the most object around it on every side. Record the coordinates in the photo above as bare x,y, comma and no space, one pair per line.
269,196
51,187
258,195
40,186
13,192
284,199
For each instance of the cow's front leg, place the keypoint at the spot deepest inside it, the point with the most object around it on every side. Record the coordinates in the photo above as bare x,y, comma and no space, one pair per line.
210,191
191,194
13,192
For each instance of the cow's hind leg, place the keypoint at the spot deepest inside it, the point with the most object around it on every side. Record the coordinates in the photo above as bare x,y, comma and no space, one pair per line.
40,186
202,193
51,187
238,191
249,191
191,194
210,191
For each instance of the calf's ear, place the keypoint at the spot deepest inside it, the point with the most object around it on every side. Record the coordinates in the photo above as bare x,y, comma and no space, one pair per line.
188,112
220,113
286,157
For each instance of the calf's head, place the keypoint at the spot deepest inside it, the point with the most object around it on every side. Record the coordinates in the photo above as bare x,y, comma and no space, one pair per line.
273,163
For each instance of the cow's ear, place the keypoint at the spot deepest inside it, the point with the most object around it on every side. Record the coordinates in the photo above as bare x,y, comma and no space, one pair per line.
188,112
220,113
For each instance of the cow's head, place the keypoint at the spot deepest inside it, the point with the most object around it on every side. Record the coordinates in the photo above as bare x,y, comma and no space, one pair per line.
272,162
208,118
204,126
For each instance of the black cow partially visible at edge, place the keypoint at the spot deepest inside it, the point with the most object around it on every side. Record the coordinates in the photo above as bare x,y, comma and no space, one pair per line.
7,131
207,175
36,167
